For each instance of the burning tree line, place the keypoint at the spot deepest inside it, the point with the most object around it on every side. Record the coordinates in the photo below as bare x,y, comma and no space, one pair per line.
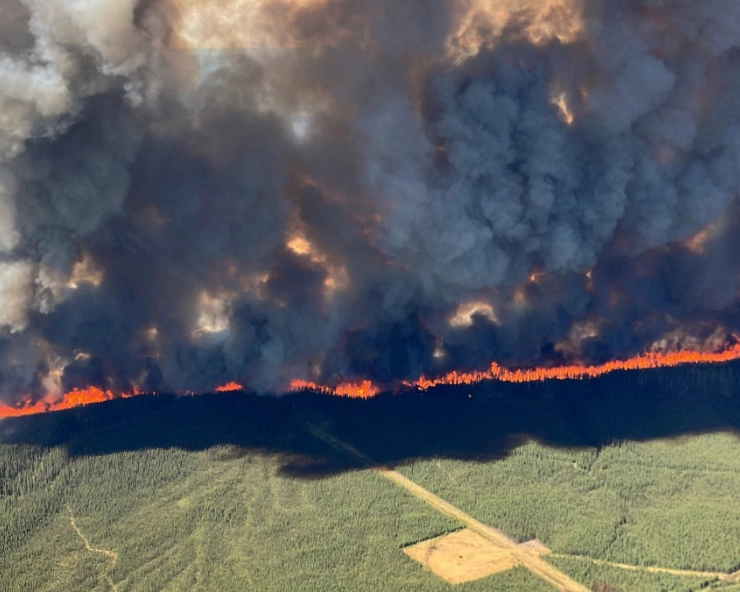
352,195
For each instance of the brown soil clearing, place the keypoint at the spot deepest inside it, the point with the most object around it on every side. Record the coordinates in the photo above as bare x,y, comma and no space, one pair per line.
462,556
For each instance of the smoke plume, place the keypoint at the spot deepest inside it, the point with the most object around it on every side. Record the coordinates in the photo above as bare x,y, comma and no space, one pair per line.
195,192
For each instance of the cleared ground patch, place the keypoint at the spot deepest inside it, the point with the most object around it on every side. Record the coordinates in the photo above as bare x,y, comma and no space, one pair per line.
232,493
465,556
524,557
462,556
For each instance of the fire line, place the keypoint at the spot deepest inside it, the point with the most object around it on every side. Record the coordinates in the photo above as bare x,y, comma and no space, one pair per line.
366,389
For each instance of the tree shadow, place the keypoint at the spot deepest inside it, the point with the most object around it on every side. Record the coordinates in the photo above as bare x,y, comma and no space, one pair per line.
479,422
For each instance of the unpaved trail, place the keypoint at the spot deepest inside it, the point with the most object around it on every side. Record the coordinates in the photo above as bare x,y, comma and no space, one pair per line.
109,554
688,573
532,562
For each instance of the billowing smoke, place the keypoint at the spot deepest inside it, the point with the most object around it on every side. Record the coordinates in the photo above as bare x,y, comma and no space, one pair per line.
194,192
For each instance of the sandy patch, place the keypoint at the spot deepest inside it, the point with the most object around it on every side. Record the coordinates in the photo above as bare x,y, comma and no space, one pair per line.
462,556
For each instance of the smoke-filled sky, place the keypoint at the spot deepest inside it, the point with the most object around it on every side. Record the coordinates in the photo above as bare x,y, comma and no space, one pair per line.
199,191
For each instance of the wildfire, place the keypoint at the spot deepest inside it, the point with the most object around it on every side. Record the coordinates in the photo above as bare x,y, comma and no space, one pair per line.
463,316
85,271
697,243
566,113
641,362
229,387
354,390
336,278
481,22
366,389
74,398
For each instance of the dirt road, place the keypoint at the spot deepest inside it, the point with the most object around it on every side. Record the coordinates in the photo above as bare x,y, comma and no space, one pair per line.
109,554
532,562
689,573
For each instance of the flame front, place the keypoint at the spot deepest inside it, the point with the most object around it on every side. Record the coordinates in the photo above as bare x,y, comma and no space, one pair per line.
260,190
366,389
642,362
229,387
74,398
354,390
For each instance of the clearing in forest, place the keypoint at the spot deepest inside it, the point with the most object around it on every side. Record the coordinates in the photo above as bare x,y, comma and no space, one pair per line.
524,556
462,556
465,556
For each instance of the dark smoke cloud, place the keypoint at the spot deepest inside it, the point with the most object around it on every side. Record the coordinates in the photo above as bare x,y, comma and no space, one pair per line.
348,189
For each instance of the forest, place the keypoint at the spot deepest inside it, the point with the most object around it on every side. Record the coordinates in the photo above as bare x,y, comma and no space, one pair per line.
232,492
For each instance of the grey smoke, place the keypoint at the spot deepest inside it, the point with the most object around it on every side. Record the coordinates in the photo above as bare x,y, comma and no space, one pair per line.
149,192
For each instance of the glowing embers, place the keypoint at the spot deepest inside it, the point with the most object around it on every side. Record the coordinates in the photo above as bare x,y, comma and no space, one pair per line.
336,275
521,296
566,114
697,243
463,316
301,246
536,276
481,23
85,271
229,387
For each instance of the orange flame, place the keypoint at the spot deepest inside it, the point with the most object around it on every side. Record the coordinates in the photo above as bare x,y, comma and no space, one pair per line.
353,390
366,389
74,398
229,387
641,362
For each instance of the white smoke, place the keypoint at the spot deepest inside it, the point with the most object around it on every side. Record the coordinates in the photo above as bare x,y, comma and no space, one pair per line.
16,291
